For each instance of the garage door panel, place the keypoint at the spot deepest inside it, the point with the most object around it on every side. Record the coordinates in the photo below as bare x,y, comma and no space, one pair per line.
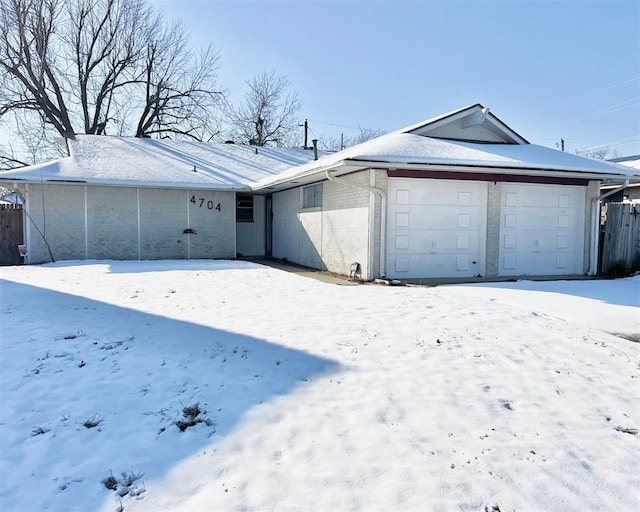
437,228
542,229
434,241
534,218
422,217
529,240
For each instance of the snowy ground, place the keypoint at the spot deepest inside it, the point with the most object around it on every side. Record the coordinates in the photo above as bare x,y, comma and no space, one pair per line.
312,396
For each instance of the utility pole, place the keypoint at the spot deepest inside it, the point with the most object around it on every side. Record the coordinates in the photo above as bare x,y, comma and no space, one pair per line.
341,141
306,133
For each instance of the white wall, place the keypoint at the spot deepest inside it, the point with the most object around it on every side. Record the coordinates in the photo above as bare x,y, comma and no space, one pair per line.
91,222
250,236
331,237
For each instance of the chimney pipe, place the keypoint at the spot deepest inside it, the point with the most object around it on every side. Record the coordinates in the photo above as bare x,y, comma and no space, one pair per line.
315,149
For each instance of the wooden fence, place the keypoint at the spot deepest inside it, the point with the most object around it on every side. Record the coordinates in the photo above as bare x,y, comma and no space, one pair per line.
10,234
621,241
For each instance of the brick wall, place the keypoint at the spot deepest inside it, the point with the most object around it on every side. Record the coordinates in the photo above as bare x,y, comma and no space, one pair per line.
494,206
345,234
58,213
213,216
129,223
112,223
331,237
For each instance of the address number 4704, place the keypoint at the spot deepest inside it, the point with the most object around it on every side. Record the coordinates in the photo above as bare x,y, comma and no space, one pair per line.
200,202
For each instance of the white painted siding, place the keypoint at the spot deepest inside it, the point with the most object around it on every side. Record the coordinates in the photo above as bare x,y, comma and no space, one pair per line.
455,130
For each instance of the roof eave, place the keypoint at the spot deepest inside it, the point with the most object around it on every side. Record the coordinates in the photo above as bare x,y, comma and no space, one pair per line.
126,184
540,170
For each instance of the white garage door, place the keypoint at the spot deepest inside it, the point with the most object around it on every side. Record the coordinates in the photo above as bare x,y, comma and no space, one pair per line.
542,229
436,228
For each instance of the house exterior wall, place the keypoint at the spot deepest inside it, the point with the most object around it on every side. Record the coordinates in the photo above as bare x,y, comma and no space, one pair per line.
112,218
286,228
250,236
213,217
346,224
380,180
330,237
163,216
92,222
494,198
58,213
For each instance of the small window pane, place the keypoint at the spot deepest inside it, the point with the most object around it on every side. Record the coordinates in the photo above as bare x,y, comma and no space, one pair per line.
308,197
244,208
312,196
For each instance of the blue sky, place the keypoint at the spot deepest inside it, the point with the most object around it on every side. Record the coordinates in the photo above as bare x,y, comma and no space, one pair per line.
550,70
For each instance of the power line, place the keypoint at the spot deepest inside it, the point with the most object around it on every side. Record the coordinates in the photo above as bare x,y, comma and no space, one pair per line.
609,109
602,89
334,124
620,142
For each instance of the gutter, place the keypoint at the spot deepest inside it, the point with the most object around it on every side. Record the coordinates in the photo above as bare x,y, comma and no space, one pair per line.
491,167
383,211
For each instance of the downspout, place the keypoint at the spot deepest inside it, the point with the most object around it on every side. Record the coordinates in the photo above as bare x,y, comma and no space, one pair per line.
595,209
383,212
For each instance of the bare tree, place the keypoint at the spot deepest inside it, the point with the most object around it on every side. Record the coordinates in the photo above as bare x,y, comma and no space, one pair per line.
104,44
181,92
268,114
338,143
8,159
100,66
32,142
597,153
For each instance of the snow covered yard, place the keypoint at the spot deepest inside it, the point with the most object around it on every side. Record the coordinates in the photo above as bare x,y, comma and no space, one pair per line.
230,386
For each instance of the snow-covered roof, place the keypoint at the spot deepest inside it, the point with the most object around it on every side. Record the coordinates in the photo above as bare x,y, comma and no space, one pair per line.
127,161
629,161
399,149
130,161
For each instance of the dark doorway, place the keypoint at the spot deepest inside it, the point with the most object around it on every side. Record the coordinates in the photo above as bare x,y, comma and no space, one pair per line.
268,239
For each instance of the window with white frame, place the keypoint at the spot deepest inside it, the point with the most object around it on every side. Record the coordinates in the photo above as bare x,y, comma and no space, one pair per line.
312,196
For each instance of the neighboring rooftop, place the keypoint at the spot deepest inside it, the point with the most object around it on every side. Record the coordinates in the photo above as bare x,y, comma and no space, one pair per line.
629,161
